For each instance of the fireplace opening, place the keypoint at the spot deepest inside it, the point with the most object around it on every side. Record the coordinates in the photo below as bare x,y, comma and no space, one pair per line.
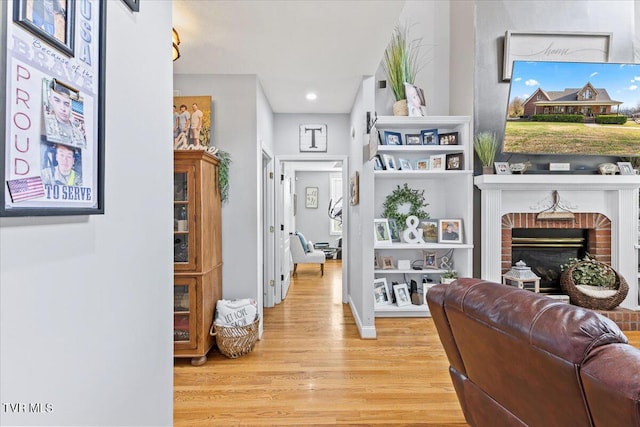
545,250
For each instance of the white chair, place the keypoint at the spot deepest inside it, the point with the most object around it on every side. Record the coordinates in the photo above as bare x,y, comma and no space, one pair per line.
300,256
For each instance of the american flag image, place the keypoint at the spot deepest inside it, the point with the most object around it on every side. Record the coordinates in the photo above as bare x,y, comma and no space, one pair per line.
25,188
77,109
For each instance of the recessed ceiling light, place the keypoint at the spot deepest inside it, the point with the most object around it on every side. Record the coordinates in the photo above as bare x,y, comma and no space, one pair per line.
312,96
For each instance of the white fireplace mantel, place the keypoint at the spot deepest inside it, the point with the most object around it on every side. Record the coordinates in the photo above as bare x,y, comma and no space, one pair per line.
615,196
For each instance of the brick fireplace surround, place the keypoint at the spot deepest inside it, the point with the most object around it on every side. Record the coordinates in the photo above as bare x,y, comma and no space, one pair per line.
605,206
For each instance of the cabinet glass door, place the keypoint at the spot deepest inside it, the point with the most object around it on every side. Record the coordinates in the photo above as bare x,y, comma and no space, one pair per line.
184,313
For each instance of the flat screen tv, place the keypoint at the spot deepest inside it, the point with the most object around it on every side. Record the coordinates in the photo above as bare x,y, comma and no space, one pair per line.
573,108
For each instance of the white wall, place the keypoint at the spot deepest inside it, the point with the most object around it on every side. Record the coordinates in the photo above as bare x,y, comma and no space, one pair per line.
86,301
235,131
315,223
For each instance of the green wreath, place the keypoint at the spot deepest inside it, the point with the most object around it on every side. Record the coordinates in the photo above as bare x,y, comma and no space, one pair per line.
400,197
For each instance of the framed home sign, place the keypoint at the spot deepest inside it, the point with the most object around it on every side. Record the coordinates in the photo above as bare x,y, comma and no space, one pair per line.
313,138
554,46
52,154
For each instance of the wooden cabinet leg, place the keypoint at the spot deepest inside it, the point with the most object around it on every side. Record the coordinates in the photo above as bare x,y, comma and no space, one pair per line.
197,361
295,267
322,269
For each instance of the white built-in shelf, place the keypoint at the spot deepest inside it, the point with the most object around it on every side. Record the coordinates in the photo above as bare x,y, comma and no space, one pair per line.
432,246
391,122
420,148
412,271
394,174
404,311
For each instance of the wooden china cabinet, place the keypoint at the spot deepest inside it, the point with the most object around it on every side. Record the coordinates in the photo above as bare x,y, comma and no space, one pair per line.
197,252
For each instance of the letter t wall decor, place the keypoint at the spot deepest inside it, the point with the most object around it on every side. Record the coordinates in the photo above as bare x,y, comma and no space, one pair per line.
313,138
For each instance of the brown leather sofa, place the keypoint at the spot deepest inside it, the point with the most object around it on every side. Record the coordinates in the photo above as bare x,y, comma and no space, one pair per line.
522,359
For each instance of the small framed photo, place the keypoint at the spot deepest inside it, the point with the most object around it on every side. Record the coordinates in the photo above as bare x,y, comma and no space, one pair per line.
381,231
376,262
392,138
311,197
401,291
450,231
394,230
416,103
387,263
381,293
625,168
502,168
354,189
389,162
429,137
438,162
51,21
454,161
405,164
430,230
377,163
412,139
430,260
423,164
450,138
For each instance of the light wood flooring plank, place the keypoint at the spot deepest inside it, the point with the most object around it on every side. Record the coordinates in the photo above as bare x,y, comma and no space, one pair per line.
312,368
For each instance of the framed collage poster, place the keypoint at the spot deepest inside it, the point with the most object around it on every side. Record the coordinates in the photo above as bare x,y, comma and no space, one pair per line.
52,154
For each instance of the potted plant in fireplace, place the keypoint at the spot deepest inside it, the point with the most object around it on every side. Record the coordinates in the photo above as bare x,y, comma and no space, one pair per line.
592,284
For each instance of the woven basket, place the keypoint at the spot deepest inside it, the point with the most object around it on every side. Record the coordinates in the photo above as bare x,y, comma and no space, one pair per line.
576,297
236,341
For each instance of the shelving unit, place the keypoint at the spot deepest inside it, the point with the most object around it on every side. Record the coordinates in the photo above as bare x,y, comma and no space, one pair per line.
449,194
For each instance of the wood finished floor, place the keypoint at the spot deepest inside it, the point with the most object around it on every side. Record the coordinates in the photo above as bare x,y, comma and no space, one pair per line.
311,368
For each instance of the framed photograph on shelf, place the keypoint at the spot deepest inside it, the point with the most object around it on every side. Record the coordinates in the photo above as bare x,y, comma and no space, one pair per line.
381,292
381,231
430,230
394,230
423,164
429,136
626,168
401,291
377,163
454,161
389,162
502,168
450,231
429,260
412,139
52,22
450,138
377,265
54,120
438,162
387,263
405,164
416,103
392,138
311,197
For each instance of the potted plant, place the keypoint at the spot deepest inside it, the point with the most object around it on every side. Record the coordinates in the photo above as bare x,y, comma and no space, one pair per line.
486,145
401,65
448,276
590,273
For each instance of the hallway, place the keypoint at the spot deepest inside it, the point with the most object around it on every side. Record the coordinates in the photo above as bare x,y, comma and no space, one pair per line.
311,368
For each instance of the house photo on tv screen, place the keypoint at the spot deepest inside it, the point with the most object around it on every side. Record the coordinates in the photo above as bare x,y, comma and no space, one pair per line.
573,108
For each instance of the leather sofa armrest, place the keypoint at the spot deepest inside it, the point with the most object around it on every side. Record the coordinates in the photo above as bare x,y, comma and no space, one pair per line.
435,301
611,382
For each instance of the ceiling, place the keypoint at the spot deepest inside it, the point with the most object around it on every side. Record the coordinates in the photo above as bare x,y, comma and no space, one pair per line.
294,47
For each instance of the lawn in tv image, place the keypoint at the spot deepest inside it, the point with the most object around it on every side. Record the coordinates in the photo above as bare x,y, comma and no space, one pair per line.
573,108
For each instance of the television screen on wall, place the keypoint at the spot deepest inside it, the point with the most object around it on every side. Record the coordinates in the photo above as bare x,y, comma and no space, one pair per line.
584,108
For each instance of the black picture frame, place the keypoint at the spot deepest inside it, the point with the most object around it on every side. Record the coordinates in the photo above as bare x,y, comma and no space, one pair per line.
133,5
36,23
30,147
429,136
454,161
449,138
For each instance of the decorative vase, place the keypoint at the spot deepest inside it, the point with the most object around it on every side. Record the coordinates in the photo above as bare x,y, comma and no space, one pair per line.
400,108
487,170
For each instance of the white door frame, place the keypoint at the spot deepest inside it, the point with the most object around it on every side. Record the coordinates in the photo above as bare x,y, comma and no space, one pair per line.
279,160
268,230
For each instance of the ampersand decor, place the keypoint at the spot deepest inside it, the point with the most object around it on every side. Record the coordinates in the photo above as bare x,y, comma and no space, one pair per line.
405,196
411,234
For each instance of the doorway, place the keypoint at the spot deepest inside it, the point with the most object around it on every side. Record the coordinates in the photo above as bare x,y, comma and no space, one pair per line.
292,212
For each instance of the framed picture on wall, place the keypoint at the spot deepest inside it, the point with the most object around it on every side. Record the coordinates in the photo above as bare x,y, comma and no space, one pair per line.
313,138
53,124
311,197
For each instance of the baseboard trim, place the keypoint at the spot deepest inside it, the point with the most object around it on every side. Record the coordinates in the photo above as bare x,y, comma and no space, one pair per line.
366,332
